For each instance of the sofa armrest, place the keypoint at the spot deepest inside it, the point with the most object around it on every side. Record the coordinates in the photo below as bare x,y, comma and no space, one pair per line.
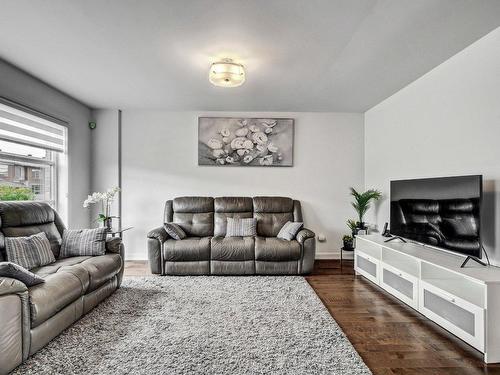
307,240
304,234
113,245
15,327
159,234
156,238
11,286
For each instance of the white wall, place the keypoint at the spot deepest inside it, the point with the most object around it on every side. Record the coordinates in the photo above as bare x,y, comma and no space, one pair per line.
159,162
445,123
27,90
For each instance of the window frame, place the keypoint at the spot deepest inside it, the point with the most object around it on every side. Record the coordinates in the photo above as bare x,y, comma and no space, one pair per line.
31,161
60,170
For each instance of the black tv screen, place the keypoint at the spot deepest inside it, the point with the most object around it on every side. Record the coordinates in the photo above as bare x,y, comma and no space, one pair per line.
442,212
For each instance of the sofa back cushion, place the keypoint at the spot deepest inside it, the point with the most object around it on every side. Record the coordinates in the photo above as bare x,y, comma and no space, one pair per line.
23,219
205,216
271,214
195,215
235,207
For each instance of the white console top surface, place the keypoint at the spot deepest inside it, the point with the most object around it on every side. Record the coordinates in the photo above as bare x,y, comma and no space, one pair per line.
440,258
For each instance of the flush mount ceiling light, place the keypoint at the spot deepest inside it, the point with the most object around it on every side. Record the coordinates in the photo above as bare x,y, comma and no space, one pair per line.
226,73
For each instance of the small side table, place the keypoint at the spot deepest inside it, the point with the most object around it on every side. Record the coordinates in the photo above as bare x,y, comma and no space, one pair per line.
117,231
342,249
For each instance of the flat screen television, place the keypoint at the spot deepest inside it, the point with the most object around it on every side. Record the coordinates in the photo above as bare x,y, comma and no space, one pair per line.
442,212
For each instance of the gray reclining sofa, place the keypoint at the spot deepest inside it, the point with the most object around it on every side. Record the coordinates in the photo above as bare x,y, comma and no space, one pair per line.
206,250
32,316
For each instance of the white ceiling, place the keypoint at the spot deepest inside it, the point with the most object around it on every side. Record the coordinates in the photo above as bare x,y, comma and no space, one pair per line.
300,55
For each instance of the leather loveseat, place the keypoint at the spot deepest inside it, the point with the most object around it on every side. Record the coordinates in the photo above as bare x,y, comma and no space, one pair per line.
32,316
206,250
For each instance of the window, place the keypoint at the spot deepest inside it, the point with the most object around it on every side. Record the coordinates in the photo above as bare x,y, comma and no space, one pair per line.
4,171
19,173
30,147
36,189
35,173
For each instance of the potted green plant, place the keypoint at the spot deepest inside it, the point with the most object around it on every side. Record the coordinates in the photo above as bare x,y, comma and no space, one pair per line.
348,242
353,226
361,203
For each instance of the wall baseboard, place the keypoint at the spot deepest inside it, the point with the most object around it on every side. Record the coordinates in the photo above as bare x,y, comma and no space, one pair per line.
333,255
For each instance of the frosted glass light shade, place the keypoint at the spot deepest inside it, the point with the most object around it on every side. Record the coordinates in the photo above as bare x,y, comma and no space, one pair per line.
227,73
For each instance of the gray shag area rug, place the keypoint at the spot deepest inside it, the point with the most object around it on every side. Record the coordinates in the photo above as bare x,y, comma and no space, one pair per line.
203,325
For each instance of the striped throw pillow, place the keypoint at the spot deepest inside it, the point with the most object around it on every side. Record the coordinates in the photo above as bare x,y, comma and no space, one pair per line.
290,230
237,227
174,231
83,242
29,252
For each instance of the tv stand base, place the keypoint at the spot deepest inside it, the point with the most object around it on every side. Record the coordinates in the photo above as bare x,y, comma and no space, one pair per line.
474,259
395,238
464,301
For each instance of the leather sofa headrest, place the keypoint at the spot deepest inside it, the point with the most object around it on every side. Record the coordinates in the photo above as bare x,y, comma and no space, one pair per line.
20,213
193,204
233,204
272,204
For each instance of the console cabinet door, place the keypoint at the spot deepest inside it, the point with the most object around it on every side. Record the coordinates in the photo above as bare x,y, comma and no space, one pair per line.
367,266
458,316
400,284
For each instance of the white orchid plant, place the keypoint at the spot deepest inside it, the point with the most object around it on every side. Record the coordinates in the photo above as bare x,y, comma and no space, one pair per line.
105,199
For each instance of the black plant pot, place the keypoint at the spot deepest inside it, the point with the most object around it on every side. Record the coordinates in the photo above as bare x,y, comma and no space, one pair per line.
349,245
361,225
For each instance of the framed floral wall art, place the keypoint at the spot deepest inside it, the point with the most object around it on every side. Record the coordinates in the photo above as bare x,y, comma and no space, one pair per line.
228,141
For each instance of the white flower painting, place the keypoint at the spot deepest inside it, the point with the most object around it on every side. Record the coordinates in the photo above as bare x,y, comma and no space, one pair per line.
224,141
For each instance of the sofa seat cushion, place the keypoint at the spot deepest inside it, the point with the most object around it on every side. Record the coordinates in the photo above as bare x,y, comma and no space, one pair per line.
233,248
187,249
58,291
101,269
57,265
276,249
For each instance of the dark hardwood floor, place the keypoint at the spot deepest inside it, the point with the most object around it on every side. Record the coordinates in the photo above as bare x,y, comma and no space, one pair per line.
390,337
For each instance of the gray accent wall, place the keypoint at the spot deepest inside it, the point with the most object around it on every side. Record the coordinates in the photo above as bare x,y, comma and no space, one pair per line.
25,89
105,169
445,123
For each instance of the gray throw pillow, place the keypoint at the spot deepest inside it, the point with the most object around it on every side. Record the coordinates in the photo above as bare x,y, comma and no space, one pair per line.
15,271
42,248
175,231
83,242
290,230
29,252
237,227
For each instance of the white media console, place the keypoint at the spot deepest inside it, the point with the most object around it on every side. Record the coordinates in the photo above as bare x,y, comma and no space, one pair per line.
464,301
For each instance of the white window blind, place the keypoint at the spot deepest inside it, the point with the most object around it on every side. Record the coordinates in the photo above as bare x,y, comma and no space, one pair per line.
32,130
